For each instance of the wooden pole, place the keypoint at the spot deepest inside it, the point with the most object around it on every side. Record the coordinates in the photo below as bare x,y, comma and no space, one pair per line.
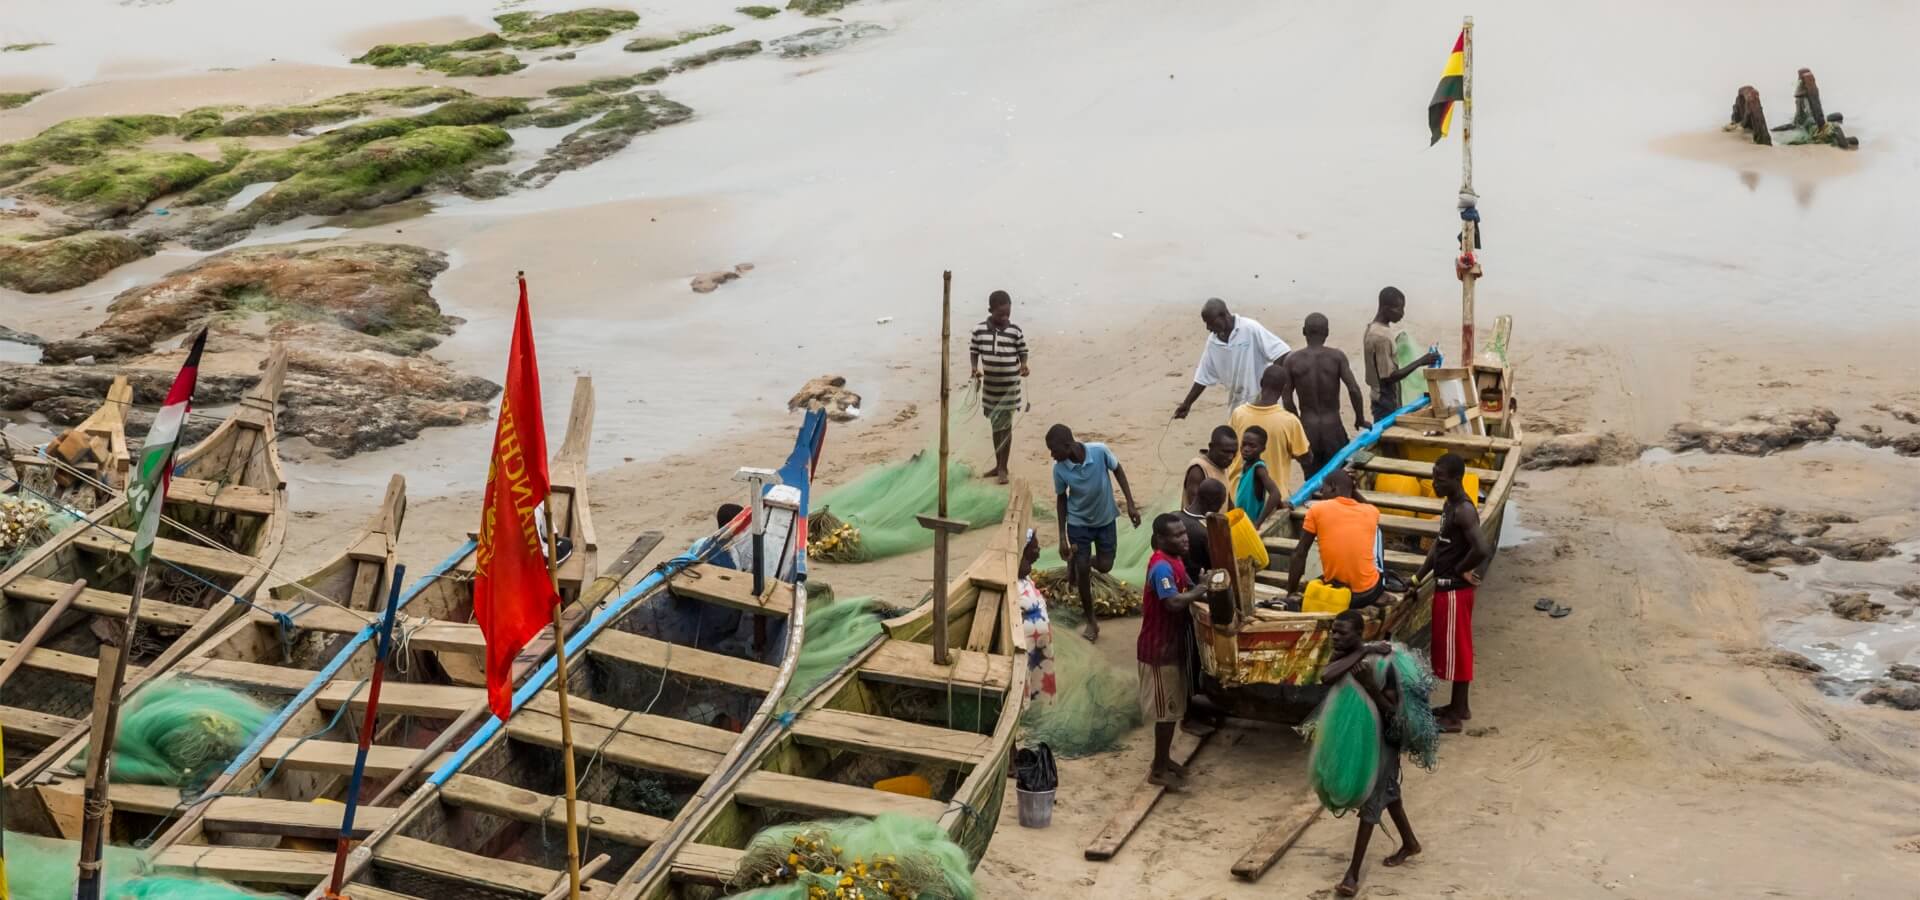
940,534
1468,229
566,719
384,646
96,806
39,631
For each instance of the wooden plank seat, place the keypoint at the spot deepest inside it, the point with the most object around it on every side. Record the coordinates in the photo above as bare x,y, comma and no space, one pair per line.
336,757
432,701
358,891
892,738
62,663
471,868
815,797
1393,524
259,676
309,615
1470,442
909,663
288,818
1428,505
1388,465
118,541
689,662
648,742
706,864
35,589
39,726
256,865
1280,549
731,588
518,804
234,498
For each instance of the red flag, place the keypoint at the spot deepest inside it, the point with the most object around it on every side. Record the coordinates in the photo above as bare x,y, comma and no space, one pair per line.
513,597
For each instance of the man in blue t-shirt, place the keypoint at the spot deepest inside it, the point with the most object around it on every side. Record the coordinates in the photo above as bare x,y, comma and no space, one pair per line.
1083,477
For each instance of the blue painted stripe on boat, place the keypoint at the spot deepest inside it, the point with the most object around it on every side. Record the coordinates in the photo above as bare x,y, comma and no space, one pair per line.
1360,442
334,665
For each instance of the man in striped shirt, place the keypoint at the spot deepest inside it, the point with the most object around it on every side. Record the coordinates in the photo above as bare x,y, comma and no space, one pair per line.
999,351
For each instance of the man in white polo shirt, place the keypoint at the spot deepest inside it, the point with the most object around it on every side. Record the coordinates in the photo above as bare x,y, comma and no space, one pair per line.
1238,350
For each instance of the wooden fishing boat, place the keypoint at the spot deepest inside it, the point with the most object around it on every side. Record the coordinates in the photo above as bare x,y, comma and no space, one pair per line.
224,520
87,465
1264,663
891,712
667,684
268,819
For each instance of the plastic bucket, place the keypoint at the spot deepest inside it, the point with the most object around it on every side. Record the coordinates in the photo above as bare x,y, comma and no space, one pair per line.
1036,808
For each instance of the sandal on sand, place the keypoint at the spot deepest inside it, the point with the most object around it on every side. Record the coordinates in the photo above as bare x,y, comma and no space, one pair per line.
1543,604
1561,612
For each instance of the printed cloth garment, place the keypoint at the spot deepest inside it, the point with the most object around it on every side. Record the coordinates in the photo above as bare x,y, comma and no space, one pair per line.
1039,633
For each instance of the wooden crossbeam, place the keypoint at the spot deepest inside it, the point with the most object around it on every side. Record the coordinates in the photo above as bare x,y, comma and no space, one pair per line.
250,865
59,662
279,679
471,868
518,804
1388,465
287,818
815,797
235,498
910,663
1281,549
103,603
892,738
27,723
434,701
336,757
706,864
119,541
731,588
1473,442
653,743
1392,524
684,662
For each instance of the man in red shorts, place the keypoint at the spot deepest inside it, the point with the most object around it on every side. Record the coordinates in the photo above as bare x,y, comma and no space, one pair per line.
1454,563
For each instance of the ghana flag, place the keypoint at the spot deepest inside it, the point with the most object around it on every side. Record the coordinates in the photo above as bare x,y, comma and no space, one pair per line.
1452,88
147,490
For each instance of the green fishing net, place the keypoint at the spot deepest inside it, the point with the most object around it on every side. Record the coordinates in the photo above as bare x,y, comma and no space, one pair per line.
888,857
836,630
44,869
1345,759
180,732
1094,704
1405,351
1419,734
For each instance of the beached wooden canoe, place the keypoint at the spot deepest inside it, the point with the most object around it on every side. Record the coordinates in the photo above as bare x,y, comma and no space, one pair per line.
225,518
1266,664
268,819
668,683
101,458
889,713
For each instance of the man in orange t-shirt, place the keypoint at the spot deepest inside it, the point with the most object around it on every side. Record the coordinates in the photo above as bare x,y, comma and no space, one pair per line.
1348,533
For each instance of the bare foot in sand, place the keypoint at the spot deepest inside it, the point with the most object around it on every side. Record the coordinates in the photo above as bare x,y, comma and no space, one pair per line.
1091,632
1348,887
1167,779
1003,478
1406,851
1449,725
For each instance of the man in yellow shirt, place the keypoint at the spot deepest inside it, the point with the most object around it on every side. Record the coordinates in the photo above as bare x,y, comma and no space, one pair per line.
1286,438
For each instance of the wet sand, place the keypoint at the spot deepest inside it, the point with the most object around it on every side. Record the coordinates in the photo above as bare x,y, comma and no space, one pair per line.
1114,165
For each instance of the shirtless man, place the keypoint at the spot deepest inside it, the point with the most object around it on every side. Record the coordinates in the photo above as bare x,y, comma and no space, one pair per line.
1314,374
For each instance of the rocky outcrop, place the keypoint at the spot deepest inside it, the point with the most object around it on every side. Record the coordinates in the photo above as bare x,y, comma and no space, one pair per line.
1904,672
828,392
358,318
632,115
1856,607
815,41
1897,694
1756,435
63,263
1769,534
708,282
1581,449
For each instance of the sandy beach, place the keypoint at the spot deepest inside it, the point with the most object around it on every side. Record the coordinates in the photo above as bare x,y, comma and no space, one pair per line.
1114,164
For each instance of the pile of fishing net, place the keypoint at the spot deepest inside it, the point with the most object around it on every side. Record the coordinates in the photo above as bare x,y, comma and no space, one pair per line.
872,516
25,524
888,857
181,733
44,869
1094,704
1348,747
836,630
1115,594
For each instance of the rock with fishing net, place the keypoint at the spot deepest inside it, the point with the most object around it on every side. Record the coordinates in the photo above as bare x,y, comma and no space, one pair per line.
888,857
180,733
44,869
874,515
1094,704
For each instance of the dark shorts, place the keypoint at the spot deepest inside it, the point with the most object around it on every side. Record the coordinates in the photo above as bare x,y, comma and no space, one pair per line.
1383,408
1094,540
1386,790
1324,441
1001,417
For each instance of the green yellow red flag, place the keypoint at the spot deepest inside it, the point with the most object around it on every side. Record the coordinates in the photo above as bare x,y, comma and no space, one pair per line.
1452,89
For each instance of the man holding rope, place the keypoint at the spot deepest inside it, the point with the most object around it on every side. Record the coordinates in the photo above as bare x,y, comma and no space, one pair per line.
999,351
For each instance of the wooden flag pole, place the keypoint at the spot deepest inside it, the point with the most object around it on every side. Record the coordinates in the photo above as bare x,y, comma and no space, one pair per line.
97,807
942,526
566,718
1469,229
384,646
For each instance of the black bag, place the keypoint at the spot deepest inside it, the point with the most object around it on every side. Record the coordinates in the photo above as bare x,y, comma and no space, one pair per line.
1033,769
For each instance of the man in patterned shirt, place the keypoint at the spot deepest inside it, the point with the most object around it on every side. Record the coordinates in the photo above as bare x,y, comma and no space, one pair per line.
999,352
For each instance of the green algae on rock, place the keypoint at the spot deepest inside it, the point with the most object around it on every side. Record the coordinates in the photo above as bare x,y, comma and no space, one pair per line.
390,55
75,142
211,121
650,44
124,183
758,12
599,18
21,48
818,7
62,263
634,114
731,51
476,65
14,100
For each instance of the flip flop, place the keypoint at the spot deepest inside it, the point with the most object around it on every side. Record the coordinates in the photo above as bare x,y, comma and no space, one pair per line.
1543,604
1561,612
